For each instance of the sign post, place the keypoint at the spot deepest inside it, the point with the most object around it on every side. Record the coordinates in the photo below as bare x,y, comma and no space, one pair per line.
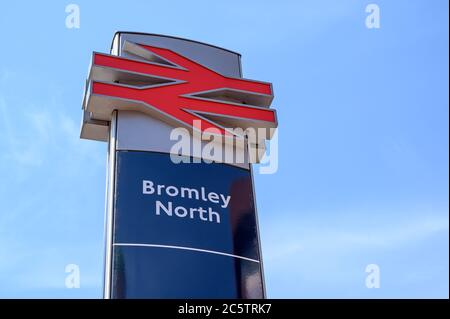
181,218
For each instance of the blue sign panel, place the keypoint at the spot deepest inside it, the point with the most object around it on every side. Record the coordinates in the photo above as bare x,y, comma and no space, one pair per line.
184,230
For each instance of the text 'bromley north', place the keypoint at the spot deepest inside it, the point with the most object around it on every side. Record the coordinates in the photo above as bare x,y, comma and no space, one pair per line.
201,194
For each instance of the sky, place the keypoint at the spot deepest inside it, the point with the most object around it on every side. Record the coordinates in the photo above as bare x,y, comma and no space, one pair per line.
363,116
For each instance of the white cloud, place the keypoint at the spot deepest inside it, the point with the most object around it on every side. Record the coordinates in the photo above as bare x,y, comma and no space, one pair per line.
49,177
33,135
324,255
286,238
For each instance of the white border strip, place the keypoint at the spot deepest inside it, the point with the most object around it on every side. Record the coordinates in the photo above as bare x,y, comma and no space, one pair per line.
187,248
109,222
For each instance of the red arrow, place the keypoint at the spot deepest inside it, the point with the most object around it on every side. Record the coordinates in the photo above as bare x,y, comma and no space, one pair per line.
178,98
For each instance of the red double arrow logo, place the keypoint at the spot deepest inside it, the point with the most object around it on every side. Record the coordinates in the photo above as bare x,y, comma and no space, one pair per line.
176,89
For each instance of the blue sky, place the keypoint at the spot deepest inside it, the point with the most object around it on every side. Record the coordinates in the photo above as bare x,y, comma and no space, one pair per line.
363,128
